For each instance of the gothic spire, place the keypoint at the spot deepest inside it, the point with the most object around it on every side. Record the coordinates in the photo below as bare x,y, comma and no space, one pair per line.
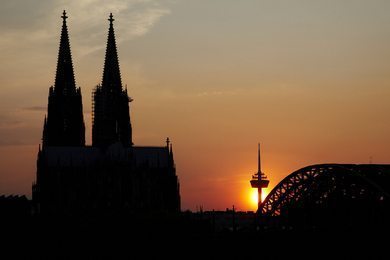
111,121
64,81
64,125
111,73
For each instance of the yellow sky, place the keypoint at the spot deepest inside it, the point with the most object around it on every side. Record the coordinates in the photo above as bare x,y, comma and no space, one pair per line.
310,80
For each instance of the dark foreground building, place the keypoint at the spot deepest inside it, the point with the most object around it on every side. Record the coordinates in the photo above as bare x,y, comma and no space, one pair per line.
112,176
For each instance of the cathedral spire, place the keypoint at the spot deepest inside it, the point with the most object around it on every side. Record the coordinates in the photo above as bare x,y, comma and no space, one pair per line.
64,81
111,73
111,122
64,125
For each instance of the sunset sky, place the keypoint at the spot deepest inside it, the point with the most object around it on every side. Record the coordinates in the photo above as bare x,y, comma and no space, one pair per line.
308,79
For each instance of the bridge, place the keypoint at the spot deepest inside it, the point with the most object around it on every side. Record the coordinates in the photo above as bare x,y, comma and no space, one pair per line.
332,194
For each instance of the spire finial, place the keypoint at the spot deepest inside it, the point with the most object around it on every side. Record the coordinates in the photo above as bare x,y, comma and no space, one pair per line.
64,16
111,73
111,19
168,142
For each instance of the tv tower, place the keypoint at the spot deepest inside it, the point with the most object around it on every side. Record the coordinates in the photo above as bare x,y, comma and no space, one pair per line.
259,181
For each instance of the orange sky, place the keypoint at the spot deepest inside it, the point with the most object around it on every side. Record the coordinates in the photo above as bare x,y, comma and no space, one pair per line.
310,80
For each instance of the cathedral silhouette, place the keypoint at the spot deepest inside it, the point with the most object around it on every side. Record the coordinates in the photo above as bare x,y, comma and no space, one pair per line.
112,176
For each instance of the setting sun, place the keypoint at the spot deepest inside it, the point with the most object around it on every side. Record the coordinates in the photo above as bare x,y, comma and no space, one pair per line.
253,196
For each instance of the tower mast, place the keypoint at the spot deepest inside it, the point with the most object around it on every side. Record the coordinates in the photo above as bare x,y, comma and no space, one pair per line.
259,181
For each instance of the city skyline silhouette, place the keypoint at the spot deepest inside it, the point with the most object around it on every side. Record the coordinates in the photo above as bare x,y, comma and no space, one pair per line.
143,144
333,112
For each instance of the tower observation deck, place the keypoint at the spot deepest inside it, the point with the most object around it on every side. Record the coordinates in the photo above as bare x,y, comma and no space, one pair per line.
259,181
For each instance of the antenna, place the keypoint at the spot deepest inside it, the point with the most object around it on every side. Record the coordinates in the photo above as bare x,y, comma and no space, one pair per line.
259,181
258,160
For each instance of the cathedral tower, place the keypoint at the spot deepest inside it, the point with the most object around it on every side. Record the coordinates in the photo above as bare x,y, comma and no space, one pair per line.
111,116
64,125
74,179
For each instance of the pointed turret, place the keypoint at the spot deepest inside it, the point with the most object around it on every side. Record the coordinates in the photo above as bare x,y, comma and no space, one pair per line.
64,81
111,73
64,125
168,141
111,116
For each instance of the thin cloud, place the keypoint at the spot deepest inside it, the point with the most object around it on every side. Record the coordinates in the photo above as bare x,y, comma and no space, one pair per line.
143,22
219,93
10,124
8,142
35,108
133,18
87,21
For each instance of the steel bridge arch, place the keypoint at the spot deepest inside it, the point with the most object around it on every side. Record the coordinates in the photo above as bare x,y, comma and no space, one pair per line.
316,184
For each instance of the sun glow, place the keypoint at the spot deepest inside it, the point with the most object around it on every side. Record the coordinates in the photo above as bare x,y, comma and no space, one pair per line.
264,194
254,197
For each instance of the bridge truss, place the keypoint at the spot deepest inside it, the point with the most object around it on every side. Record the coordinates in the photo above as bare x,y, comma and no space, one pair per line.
331,186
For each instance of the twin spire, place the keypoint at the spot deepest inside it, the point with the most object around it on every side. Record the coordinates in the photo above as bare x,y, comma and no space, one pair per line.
65,80
111,73
111,116
65,123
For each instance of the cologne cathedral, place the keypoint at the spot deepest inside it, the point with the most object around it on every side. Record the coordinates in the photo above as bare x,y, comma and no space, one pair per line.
112,176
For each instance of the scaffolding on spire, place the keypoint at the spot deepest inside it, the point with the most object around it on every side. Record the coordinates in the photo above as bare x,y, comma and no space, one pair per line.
110,102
